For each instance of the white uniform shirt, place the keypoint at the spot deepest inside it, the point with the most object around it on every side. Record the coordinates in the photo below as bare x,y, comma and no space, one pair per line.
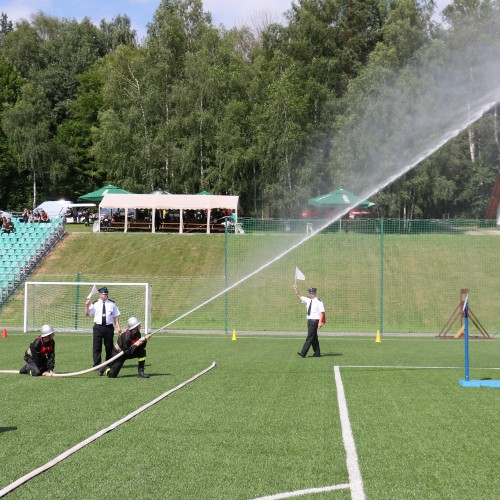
316,309
112,311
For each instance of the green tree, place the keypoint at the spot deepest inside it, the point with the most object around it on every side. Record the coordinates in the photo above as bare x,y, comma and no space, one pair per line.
6,25
283,128
123,142
118,32
81,173
12,186
27,128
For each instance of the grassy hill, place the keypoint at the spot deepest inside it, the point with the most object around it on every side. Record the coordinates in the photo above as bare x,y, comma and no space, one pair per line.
422,278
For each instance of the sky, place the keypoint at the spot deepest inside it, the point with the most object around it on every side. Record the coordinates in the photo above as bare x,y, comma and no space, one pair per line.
230,13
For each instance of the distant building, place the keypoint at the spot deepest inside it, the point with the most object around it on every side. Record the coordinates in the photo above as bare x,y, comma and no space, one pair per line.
493,210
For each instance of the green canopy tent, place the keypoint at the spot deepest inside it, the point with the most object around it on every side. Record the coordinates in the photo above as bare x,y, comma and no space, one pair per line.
340,198
337,200
205,192
96,196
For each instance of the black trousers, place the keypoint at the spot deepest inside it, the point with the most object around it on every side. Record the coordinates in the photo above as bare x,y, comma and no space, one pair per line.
312,338
102,334
33,369
116,366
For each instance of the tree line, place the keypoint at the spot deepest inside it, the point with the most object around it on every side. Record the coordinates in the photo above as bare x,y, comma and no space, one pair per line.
252,111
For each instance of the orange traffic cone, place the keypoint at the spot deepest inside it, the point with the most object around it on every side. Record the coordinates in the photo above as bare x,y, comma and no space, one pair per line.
4,334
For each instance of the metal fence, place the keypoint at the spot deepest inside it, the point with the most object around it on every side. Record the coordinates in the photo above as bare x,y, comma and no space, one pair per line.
400,276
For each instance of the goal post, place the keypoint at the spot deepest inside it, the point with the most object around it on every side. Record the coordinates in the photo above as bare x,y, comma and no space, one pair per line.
62,304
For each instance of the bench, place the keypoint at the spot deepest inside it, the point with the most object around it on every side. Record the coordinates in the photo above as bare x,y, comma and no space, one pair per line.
120,226
139,226
169,226
189,227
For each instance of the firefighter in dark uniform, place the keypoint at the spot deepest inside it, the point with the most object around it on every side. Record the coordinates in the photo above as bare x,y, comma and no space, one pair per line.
106,316
128,343
40,356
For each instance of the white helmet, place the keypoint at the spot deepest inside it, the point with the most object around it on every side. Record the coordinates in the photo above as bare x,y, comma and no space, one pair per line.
133,322
46,330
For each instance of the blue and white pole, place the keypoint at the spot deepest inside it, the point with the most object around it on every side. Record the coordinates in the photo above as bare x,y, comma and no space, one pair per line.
466,335
466,382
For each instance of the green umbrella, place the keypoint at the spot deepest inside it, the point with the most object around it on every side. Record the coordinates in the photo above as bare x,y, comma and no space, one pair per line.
96,196
204,192
339,198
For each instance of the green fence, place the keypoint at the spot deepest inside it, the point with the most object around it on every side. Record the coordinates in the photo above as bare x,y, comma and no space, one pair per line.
390,275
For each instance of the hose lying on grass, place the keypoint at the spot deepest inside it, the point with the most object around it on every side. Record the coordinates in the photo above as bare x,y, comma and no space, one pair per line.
90,439
98,367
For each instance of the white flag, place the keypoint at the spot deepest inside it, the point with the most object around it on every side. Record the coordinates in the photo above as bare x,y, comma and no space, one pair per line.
92,292
298,274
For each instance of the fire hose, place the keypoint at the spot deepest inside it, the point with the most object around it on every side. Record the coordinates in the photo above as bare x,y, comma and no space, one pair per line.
102,365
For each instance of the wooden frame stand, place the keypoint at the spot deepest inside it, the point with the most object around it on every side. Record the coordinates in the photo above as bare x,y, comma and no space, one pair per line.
458,314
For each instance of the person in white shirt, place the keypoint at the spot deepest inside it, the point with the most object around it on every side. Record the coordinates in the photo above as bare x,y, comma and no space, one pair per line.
316,318
106,316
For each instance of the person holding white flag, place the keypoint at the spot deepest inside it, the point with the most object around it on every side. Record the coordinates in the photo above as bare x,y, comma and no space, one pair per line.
106,315
316,318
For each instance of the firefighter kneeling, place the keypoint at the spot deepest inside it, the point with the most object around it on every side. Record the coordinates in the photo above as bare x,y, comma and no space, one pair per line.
40,357
127,342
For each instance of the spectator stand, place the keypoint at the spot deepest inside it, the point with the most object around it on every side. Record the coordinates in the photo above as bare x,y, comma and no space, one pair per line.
23,249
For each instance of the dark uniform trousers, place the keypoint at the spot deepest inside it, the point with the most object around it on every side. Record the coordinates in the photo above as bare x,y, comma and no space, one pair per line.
32,368
102,333
116,366
312,338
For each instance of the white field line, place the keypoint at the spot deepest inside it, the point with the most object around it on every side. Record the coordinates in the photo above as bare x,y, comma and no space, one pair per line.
401,367
300,493
90,439
355,479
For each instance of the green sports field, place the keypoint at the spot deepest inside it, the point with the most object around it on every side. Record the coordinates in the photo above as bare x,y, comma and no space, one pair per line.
366,420
261,423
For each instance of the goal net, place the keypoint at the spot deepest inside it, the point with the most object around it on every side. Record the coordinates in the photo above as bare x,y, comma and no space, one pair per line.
62,304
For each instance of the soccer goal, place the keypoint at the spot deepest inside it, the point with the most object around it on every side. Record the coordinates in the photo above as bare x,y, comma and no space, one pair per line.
62,304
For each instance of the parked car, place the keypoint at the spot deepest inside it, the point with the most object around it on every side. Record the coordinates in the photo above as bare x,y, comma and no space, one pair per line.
359,214
317,213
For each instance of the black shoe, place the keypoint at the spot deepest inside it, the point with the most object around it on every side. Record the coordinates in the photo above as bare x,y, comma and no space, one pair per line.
24,370
301,355
100,373
316,355
141,374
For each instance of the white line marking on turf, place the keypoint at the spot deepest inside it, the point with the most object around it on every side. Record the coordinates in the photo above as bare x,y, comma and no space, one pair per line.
402,367
355,479
309,491
77,447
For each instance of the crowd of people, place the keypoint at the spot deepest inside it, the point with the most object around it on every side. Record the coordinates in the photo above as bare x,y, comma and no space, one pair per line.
79,215
27,217
31,216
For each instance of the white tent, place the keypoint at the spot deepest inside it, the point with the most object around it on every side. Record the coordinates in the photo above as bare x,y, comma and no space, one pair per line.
58,208
179,202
